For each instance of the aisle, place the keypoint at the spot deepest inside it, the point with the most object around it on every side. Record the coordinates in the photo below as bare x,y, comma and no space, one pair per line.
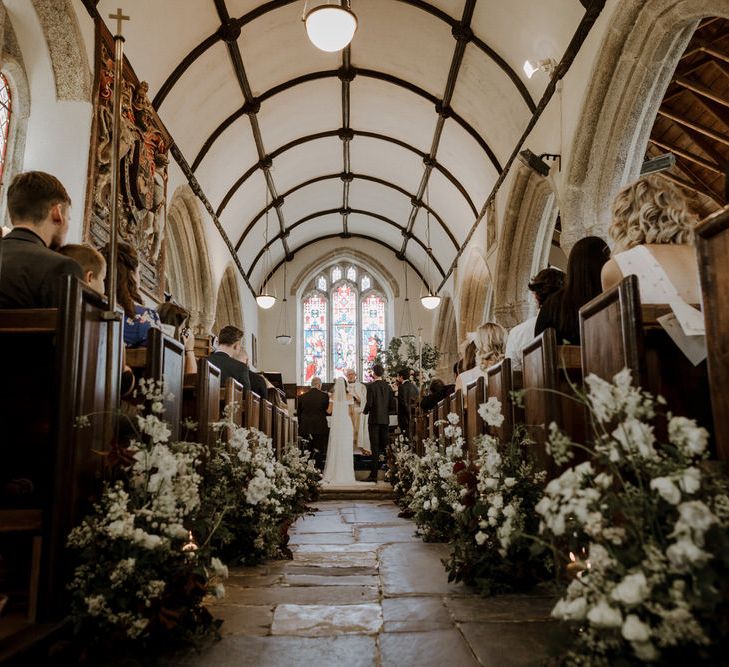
362,590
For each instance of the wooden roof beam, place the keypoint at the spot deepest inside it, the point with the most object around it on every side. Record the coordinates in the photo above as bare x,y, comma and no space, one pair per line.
688,155
722,138
688,185
702,90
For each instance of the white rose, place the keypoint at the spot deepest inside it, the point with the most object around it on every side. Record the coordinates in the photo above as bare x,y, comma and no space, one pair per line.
434,503
570,610
490,412
666,489
684,433
697,515
453,418
509,482
480,538
633,589
483,524
602,615
645,651
684,553
690,481
426,505
634,630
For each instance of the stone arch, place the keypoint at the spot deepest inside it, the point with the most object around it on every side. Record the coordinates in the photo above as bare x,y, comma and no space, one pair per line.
526,237
228,309
637,59
71,68
445,338
190,276
473,293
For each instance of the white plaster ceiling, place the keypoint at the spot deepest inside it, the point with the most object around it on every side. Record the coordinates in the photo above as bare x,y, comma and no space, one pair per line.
401,57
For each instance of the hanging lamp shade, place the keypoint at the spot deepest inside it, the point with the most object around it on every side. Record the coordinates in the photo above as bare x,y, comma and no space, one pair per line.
265,300
430,301
330,27
283,337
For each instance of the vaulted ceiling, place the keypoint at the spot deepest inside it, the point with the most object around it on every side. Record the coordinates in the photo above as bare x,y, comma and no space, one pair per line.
415,119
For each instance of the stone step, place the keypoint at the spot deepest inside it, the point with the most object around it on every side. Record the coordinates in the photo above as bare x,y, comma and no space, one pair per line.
359,491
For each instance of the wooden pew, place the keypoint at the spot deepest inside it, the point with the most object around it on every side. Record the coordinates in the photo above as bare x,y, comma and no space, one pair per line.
233,400
54,370
618,333
165,360
548,368
475,426
266,416
294,432
455,404
712,246
499,383
279,432
421,430
252,413
201,401
442,417
432,418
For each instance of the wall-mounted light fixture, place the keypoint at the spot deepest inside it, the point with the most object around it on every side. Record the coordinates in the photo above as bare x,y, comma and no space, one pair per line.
659,163
537,162
531,67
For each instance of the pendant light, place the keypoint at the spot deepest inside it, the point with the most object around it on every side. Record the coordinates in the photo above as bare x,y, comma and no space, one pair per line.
284,338
431,300
330,27
406,321
264,299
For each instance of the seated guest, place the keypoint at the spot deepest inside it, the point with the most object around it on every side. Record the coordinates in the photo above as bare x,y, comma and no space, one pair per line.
38,206
226,357
91,261
407,393
437,392
544,284
138,319
653,230
466,363
581,284
176,318
489,343
258,382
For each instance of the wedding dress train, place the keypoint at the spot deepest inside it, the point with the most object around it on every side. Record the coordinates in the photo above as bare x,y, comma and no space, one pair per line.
339,467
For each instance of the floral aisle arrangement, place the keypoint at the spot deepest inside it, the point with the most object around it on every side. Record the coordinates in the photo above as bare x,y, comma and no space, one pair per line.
401,471
138,574
250,499
652,521
403,353
492,547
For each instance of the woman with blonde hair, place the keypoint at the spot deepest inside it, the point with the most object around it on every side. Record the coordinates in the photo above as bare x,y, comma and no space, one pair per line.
653,230
490,344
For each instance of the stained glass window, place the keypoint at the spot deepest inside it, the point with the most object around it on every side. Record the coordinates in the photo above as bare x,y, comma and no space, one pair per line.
315,337
6,107
373,329
344,329
344,322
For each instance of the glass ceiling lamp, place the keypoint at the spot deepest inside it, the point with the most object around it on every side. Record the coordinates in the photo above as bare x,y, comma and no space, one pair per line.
265,299
330,27
406,321
431,300
283,338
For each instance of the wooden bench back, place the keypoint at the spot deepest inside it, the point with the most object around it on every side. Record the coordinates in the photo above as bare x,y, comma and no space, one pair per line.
499,384
166,362
252,413
455,404
55,370
266,424
712,245
279,430
441,416
233,400
547,371
475,426
208,401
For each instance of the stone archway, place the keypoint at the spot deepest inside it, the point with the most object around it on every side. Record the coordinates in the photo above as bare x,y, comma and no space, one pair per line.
637,59
190,276
228,309
445,337
473,294
526,236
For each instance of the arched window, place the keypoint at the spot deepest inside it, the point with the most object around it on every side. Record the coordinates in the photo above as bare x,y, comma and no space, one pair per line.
344,323
6,110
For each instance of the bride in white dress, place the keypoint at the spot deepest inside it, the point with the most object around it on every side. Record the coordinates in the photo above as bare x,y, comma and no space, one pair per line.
339,467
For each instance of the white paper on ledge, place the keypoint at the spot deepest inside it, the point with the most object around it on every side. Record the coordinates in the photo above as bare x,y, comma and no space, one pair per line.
690,319
693,347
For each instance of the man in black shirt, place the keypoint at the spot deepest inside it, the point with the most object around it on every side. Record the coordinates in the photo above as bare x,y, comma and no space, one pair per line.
407,393
226,357
30,269
258,384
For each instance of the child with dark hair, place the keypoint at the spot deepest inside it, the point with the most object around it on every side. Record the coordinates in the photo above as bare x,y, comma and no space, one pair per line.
138,319
91,261
582,284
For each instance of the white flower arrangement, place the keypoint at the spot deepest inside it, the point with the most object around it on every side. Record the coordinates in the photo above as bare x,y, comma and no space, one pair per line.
653,520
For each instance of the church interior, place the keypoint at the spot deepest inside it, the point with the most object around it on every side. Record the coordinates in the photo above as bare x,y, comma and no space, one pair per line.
364,332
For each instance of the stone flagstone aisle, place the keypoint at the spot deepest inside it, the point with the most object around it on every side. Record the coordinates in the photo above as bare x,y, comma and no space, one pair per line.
363,590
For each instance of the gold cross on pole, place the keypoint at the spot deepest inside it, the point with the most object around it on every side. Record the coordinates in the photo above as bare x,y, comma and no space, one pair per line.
119,17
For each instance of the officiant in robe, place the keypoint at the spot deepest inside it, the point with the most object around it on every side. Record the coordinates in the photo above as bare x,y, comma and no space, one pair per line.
359,419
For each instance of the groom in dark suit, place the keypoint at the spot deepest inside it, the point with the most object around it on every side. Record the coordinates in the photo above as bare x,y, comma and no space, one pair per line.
380,403
313,424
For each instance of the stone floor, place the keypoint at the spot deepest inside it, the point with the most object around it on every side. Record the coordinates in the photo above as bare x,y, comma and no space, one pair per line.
362,589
